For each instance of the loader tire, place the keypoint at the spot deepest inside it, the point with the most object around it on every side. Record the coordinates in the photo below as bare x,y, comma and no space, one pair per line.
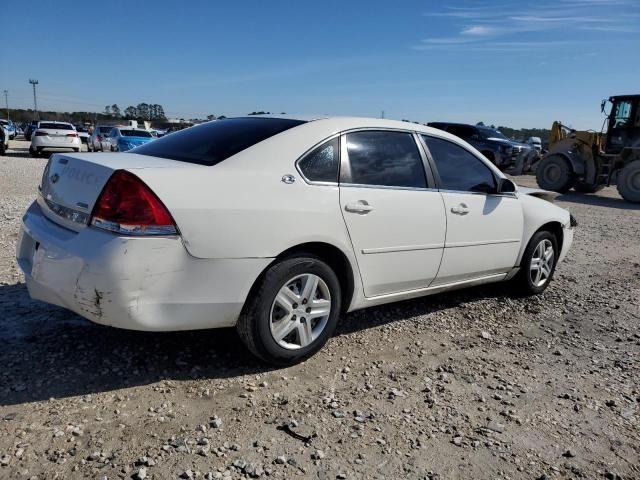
587,187
555,173
629,182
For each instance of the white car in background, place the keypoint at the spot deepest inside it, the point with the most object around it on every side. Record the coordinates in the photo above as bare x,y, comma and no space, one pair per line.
278,226
54,136
98,141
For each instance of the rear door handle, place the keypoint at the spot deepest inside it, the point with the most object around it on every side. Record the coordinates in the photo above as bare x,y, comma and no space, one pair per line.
461,209
361,207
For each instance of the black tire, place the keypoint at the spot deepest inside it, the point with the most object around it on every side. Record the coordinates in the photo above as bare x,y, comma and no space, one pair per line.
34,153
254,322
587,188
76,150
555,173
628,182
524,281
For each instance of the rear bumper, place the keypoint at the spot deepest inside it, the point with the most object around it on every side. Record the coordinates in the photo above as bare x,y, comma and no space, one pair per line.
42,142
148,284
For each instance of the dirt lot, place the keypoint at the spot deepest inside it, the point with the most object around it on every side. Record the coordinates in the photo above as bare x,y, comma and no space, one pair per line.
472,384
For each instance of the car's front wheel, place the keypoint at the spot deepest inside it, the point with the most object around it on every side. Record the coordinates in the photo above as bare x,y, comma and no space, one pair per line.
538,263
292,312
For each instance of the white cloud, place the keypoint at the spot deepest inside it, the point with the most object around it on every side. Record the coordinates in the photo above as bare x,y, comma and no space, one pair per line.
478,30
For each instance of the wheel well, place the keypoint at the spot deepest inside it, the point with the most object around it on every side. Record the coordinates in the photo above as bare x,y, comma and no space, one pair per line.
335,258
556,229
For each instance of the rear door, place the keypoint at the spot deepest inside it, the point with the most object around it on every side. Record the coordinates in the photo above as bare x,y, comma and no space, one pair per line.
394,216
484,229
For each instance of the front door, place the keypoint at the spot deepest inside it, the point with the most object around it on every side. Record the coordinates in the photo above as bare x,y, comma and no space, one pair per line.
484,229
395,220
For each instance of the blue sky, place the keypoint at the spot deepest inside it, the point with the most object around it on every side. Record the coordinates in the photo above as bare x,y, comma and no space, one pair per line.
503,62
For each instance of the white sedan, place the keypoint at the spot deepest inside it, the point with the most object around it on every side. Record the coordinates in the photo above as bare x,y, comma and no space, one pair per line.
54,136
278,226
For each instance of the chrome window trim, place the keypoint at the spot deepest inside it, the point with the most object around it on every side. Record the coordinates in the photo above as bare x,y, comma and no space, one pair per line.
307,152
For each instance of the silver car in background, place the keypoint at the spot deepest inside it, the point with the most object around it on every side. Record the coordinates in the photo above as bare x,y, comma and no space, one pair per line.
98,141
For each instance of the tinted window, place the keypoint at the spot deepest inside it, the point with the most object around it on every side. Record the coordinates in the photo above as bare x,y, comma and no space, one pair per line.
458,168
461,131
55,126
134,133
104,130
321,164
385,158
213,142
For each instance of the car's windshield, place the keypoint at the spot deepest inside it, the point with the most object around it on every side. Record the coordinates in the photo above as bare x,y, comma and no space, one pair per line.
213,142
55,126
491,133
135,133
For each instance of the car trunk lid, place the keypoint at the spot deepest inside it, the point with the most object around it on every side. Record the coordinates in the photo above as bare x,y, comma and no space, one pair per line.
71,184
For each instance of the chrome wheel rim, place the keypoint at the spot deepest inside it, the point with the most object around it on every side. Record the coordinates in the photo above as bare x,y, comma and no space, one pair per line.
541,263
300,312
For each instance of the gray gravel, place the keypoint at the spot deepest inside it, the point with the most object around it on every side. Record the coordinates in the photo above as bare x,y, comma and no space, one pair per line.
471,384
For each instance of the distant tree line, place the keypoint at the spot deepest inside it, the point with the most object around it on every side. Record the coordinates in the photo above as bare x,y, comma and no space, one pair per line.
141,112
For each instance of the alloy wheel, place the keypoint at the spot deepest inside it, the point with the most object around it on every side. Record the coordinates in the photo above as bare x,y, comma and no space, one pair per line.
300,311
541,264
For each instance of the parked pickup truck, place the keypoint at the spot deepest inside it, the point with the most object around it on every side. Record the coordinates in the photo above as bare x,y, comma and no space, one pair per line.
500,150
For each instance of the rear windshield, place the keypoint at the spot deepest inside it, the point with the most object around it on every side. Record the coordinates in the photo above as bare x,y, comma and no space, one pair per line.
213,142
104,129
135,133
56,126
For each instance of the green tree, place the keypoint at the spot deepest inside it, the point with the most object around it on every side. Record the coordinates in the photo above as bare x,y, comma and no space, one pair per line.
131,112
211,117
107,110
143,111
115,111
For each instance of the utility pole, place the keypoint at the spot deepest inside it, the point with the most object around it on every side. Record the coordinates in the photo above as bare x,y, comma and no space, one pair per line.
6,102
35,101
382,114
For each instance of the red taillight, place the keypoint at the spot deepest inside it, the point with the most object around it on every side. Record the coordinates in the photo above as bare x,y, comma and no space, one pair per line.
128,206
72,134
99,137
40,134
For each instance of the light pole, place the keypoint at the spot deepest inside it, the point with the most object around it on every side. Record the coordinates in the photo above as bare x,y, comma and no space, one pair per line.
6,102
35,101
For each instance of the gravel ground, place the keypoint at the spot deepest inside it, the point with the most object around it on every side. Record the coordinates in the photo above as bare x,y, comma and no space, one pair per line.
471,384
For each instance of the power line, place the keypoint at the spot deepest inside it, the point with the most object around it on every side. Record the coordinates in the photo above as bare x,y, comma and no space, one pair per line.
35,101
6,102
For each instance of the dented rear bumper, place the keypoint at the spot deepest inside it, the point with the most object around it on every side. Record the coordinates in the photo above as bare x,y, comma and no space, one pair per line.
148,284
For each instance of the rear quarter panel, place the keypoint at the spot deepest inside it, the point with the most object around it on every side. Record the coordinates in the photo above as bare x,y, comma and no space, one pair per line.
241,208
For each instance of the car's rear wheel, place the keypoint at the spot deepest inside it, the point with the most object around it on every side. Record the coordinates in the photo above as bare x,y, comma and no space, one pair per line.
538,263
293,310
555,173
33,152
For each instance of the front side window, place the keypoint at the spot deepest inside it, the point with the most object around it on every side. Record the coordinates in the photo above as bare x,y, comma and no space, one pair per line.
459,169
321,164
385,158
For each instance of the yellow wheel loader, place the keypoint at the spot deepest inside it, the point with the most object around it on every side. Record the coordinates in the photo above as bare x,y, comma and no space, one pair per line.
587,161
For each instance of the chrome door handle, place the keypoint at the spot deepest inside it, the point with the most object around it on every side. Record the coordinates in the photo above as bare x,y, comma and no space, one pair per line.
361,207
461,209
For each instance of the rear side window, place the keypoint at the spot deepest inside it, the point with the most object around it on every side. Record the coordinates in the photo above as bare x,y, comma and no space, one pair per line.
321,164
135,133
387,159
213,142
55,126
459,169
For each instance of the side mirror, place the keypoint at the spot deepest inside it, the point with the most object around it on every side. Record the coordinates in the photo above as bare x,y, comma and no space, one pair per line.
602,105
506,186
